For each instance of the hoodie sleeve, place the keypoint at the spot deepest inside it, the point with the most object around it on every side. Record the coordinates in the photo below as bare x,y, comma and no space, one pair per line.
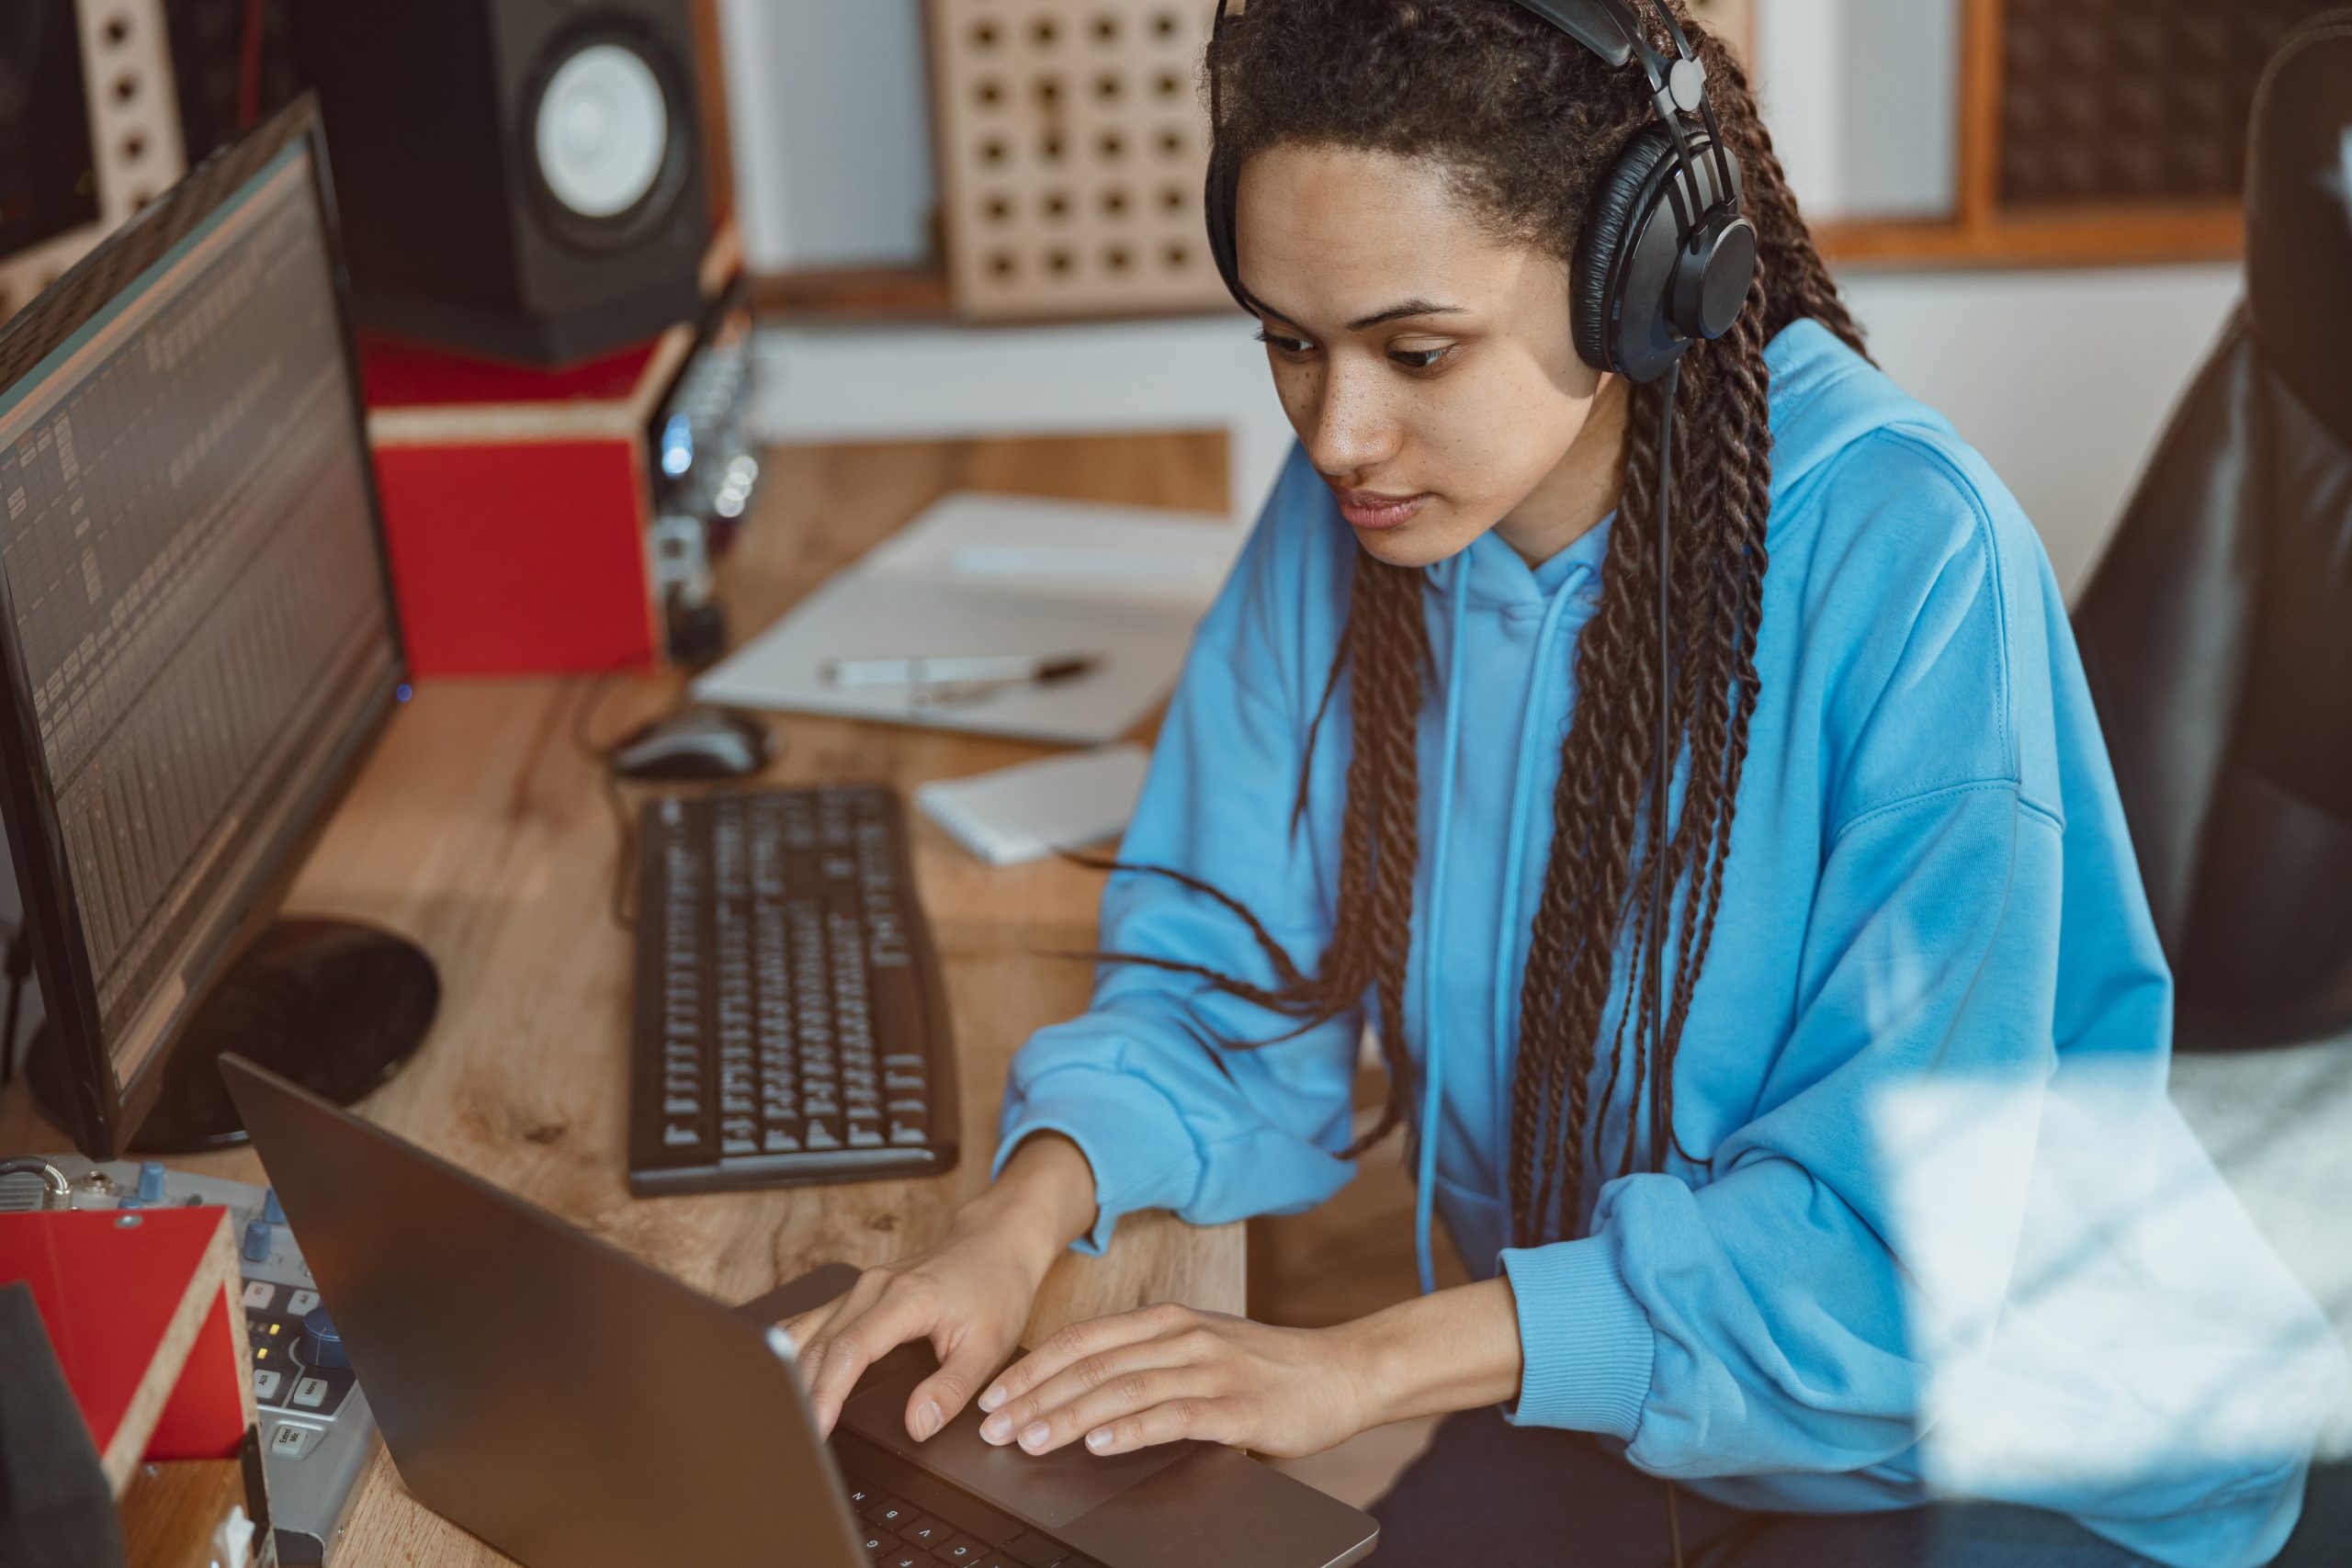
1789,1314
1169,1117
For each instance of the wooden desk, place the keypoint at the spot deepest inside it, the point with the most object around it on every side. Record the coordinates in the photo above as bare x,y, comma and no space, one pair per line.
480,829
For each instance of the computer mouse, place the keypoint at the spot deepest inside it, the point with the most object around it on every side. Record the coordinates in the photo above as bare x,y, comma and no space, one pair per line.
695,743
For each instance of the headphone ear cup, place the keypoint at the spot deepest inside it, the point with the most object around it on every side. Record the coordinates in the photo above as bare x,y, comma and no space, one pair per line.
1611,225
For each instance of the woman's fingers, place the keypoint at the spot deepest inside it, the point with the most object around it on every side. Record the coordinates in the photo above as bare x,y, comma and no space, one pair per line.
964,1364
1187,1391
1121,1366
857,1337
1202,1420
1095,1337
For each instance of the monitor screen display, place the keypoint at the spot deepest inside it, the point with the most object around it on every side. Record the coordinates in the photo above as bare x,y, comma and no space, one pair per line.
192,592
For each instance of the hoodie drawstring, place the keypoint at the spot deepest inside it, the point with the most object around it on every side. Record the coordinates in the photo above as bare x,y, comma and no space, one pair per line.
1432,1057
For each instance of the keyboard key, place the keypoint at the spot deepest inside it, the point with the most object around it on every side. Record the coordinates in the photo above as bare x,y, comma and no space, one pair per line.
907,1557
889,1513
961,1550
924,1530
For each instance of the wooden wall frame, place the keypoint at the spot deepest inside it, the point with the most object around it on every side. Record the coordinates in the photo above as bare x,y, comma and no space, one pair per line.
1982,233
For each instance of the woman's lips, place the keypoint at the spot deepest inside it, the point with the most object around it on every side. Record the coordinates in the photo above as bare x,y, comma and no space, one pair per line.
1370,509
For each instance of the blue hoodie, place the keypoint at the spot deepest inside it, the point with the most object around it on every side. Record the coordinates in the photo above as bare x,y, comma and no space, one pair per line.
1950,1237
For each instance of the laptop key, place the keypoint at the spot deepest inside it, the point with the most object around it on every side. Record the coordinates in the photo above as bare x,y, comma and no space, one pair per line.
908,1557
961,1550
924,1530
889,1513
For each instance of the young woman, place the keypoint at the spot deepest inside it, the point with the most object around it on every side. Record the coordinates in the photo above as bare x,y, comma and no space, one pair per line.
1894,1252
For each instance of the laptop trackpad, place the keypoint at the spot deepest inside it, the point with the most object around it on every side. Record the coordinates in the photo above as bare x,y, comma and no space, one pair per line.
1046,1490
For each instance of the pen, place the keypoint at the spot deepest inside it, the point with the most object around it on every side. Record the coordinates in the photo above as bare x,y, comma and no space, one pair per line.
1044,669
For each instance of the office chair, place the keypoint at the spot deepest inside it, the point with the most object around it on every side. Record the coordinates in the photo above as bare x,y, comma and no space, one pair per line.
2217,635
2217,630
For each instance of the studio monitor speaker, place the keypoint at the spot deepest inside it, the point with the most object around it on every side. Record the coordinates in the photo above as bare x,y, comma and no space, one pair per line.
522,179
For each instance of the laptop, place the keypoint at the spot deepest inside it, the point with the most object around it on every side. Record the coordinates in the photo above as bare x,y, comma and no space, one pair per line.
575,1408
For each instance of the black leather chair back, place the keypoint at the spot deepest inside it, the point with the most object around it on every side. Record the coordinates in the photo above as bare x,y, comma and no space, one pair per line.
2217,630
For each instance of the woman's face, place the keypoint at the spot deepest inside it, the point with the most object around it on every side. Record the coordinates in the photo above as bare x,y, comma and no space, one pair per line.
1427,365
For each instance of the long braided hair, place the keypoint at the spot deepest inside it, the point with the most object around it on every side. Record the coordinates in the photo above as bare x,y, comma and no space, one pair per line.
1525,121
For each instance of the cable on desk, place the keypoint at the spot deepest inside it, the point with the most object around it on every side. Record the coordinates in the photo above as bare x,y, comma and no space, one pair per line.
584,708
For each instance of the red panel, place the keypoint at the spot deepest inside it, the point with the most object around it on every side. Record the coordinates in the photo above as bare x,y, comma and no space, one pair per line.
106,1293
205,1417
518,559
402,374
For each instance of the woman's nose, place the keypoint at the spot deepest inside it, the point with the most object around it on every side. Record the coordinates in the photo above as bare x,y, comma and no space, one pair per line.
1352,433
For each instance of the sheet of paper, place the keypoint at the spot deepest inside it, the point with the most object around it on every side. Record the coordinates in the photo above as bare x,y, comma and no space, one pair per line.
998,575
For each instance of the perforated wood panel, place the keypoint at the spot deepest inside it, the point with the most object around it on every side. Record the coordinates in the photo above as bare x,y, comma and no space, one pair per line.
134,132
2133,100
1072,145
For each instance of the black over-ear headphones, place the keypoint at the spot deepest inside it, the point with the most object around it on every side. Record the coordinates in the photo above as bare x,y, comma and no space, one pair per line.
1665,256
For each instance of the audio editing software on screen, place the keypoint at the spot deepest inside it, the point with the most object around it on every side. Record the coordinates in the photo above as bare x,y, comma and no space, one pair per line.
192,579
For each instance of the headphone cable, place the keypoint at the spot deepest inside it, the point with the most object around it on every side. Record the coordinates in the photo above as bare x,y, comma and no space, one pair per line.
1662,782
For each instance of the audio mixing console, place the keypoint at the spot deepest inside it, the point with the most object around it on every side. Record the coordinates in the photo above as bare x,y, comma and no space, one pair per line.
317,1435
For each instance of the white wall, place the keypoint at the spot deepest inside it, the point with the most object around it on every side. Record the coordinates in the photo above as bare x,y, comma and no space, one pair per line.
1862,99
832,131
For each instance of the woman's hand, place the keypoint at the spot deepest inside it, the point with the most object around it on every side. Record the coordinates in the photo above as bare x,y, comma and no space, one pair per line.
1166,1372
970,1295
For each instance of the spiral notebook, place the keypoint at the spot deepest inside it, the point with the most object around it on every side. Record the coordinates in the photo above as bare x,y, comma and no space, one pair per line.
1033,808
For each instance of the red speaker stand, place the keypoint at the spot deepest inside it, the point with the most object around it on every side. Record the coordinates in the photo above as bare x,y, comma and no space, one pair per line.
517,502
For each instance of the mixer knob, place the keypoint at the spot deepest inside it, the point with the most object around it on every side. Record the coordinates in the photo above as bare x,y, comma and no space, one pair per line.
257,1241
151,1181
270,1209
321,1346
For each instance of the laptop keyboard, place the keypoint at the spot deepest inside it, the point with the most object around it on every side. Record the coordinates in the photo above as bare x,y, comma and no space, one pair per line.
898,1534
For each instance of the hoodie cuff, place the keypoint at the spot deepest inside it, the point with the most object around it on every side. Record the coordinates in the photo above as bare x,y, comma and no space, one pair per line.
1142,1153
1584,1343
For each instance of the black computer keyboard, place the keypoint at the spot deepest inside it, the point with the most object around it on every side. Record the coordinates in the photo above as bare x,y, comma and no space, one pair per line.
945,1529
790,1022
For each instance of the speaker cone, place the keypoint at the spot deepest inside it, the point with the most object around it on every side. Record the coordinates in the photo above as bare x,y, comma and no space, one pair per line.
603,134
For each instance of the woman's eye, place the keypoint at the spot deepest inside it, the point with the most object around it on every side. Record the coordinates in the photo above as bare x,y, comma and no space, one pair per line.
1421,358
1293,346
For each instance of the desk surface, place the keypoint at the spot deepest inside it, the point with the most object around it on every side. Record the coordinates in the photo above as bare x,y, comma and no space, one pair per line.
480,831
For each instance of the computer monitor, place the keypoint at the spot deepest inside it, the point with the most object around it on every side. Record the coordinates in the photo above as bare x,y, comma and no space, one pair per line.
198,646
